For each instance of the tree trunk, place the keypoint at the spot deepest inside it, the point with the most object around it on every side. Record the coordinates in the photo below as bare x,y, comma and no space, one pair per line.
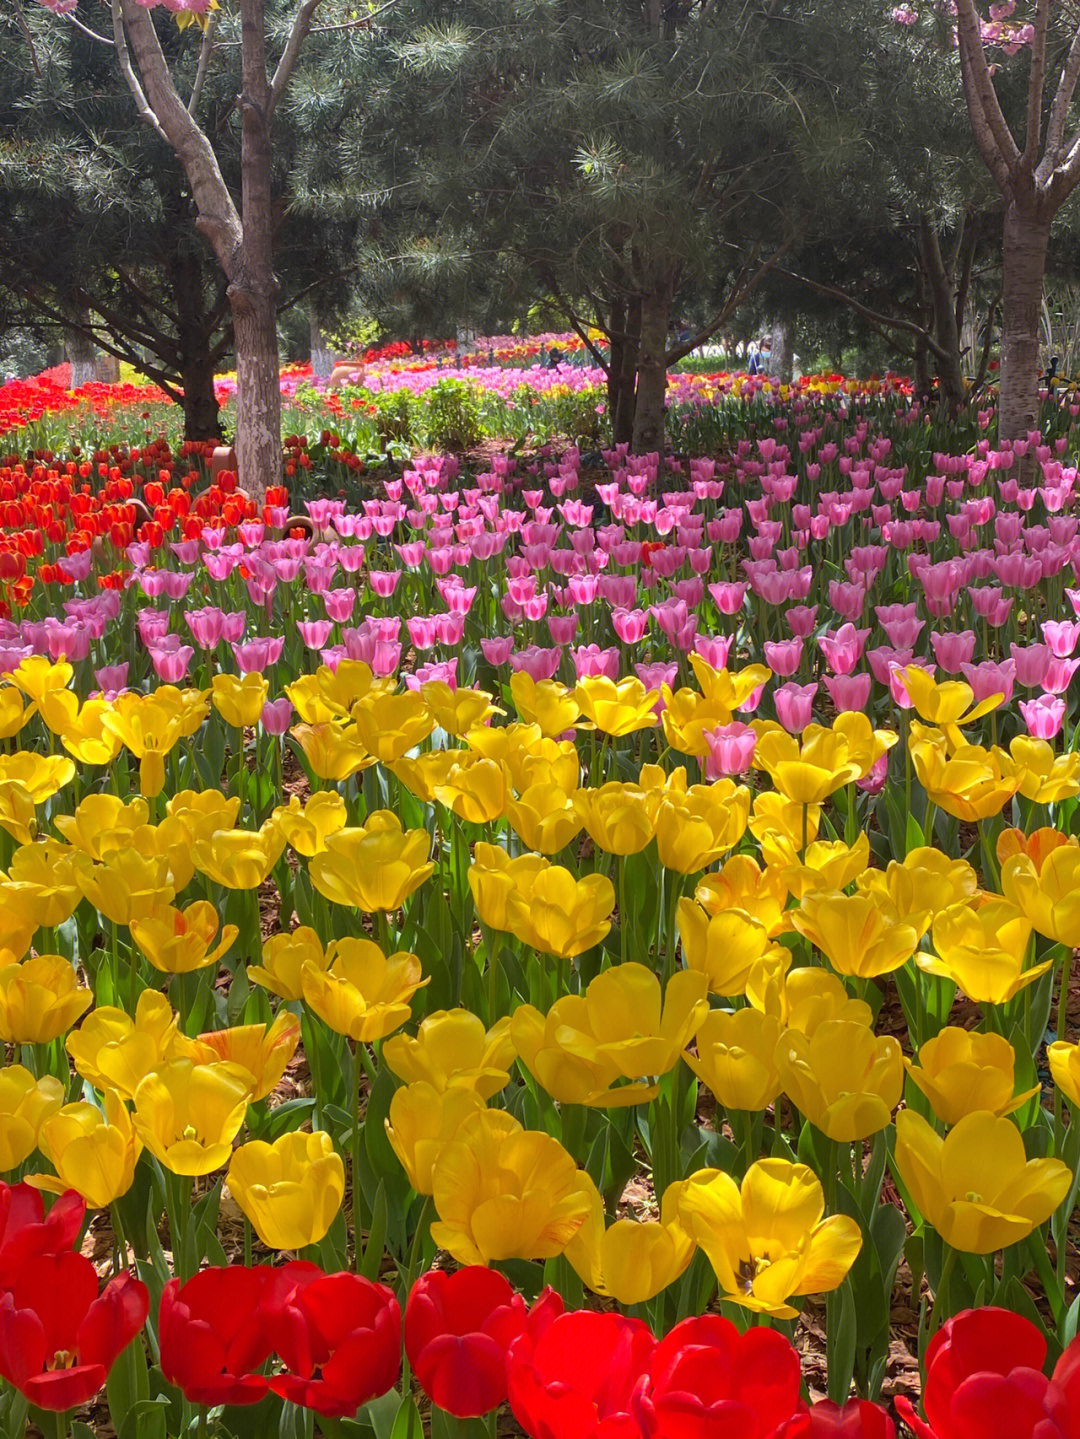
82,358
1027,235
652,371
922,368
782,351
253,287
322,356
202,420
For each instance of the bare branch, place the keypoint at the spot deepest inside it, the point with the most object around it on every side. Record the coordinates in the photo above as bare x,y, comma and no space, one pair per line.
873,317
90,34
1055,126
745,285
206,49
120,41
992,134
285,66
20,20
357,24
1036,85
218,218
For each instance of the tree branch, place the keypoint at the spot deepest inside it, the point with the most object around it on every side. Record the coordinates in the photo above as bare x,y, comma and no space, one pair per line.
992,134
743,288
1036,85
285,66
206,49
217,218
872,317
120,41
1055,126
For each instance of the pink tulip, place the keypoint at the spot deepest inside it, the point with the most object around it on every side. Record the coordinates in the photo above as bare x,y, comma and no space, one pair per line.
540,663
952,650
1031,663
314,633
277,715
1043,715
801,620
783,656
339,605
714,649
989,679
562,628
1059,675
422,631
384,582
497,649
795,706
728,597
843,648
112,677
592,660
630,625
731,750
849,692
257,655
171,664
1061,636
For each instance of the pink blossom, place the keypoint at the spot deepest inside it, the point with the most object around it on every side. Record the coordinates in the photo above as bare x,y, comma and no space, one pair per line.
1031,663
849,692
277,715
783,656
731,750
952,650
795,706
988,679
592,660
1043,715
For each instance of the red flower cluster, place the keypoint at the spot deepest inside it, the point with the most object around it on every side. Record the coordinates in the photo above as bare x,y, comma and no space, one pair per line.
985,1380
338,1336
58,1336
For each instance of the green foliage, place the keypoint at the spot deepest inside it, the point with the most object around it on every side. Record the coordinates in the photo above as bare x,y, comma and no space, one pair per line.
451,419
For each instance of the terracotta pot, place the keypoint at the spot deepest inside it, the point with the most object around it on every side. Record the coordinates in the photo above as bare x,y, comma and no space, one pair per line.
346,373
222,458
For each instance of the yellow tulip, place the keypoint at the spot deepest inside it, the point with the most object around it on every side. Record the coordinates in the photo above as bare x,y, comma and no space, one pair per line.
306,827
723,947
239,858
494,877
1037,846
861,935
559,914
375,867
826,864
948,704
687,714
1045,778
188,1114
616,817
25,1104
41,887
736,1058
843,1078
804,998
189,707
474,789
422,775
345,684
694,829
633,1260
544,817
128,885
178,941
921,885
976,1186
283,960
616,708
865,744
311,704
774,816
363,993
40,999
36,676
457,711
113,1051
239,700
18,815
741,884
982,950
961,1071
263,1050
13,713
1048,897
545,703
423,1120
452,1050
767,1241
548,761
504,1192
41,775
970,784
59,710
83,731
807,770
334,751
201,813
602,1048
503,742
92,1152
389,725
290,1190
149,727
1064,1059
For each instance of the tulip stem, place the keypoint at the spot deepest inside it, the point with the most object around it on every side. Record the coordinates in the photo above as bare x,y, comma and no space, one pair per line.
1062,1021
941,1293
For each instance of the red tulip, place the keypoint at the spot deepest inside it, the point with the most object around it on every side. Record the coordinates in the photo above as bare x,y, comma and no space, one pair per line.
340,1338
58,1337
458,1328
705,1378
985,1380
576,1379
214,1334
858,1419
27,1232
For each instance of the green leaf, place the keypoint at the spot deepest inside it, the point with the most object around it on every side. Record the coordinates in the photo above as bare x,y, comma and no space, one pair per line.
840,1336
407,1421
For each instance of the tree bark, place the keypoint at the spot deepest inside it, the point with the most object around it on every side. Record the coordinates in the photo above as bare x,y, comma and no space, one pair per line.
782,351
253,288
202,419
322,356
1027,235
82,358
942,285
652,371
